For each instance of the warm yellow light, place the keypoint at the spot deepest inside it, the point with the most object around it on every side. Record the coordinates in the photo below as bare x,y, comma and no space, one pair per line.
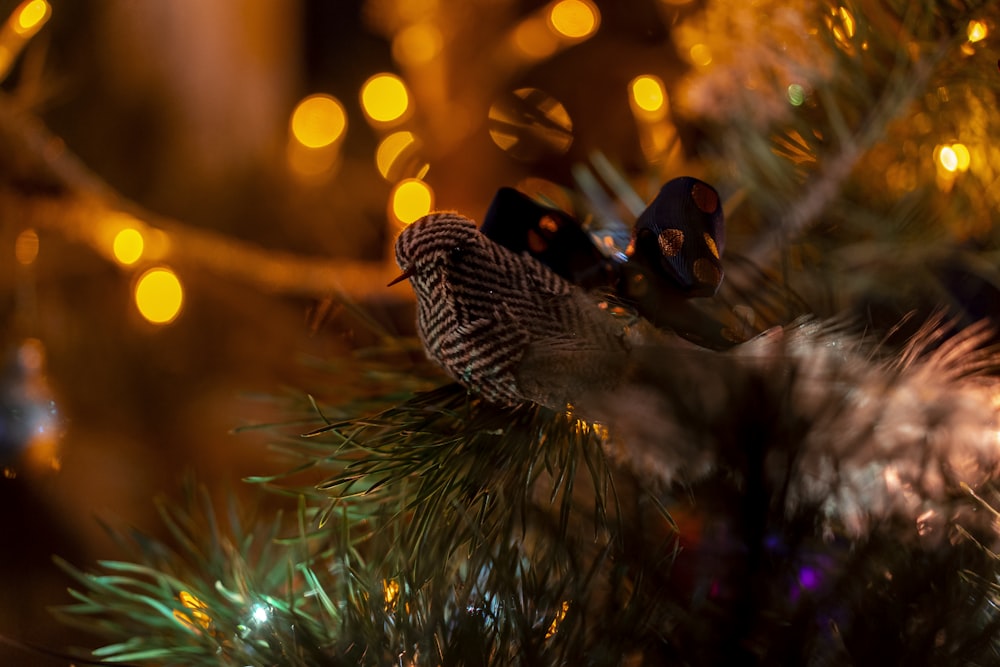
128,245
30,17
962,157
977,31
384,98
576,19
417,44
159,295
947,158
411,200
701,55
560,615
390,589
848,20
648,93
26,247
318,120
390,149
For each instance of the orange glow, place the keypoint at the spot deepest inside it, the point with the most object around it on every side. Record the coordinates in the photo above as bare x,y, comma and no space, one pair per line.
159,295
575,19
977,31
701,55
318,121
534,39
127,246
648,94
391,149
411,200
30,16
384,98
26,247
417,44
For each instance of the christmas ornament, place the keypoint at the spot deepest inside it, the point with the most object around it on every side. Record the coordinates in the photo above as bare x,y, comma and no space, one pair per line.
502,323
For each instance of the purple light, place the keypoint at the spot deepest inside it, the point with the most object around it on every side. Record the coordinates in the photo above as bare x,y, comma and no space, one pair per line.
808,578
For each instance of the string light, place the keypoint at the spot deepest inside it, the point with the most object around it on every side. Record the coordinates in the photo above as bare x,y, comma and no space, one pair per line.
410,200
977,31
23,24
159,295
384,98
796,95
260,613
127,246
574,19
318,120
26,247
534,39
648,94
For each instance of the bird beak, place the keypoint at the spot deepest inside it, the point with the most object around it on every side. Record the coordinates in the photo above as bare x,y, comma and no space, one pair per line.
401,277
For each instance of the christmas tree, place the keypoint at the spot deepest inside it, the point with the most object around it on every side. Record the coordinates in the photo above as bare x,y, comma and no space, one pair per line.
627,459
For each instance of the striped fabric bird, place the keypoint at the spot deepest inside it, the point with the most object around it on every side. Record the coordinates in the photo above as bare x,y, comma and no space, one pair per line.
502,323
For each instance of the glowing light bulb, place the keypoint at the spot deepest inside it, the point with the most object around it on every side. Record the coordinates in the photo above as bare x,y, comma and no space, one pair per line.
159,295
648,93
575,19
962,157
260,614
411,200
947,158
977,31
127,246
384,98
30,16
26,247
318,120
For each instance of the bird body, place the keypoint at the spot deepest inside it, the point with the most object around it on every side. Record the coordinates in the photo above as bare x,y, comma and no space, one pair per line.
502,323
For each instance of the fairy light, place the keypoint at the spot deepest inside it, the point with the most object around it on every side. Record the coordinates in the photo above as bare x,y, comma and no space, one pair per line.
574,19
260,613
29,18
127,246
26,247
947,158
23,24
318,120
390,591
384,98
410,200
159,295
648,94
977,31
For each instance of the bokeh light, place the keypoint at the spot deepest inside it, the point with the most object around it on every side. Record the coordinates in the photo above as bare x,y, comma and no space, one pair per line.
977,31
159,295
384,98
127,246
26,247
411,200
701,55
962,157
648,94
947,158
30,16
392,153
318,120
417,44
575,19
